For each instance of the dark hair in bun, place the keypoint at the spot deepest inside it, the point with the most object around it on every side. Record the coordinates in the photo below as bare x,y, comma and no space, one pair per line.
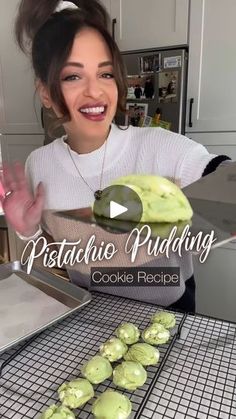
48,36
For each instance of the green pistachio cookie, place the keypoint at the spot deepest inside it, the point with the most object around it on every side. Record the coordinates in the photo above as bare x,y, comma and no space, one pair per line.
113,349
129,375
57,412
75,393
143,353
163,317
128,333
97,369
156,334
162,200
112,405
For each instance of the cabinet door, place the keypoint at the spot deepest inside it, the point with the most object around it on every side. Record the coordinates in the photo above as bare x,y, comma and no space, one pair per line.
217,143
150,24
107,5
212,66
216,285
18,147
19,110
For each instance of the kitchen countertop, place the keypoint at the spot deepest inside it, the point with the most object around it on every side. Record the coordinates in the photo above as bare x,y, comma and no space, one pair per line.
197,379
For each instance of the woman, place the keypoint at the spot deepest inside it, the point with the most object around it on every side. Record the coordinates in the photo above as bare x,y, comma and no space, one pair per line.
80,76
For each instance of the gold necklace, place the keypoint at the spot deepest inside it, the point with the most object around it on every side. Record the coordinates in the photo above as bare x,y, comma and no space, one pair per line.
98,193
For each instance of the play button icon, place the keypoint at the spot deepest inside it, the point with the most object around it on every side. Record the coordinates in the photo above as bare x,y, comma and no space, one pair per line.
116,209
119,209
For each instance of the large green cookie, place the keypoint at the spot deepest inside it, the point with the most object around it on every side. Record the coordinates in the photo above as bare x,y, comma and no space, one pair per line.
97,369
155,334
163,317
75,393
112,405
129,375
143,353
57,412
128,333
113,349
162,200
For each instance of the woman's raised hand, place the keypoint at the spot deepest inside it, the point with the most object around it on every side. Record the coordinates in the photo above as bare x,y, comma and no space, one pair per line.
22,209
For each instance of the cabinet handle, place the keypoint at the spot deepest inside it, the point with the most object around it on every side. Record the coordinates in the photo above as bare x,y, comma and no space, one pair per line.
190,112
42,122
114,21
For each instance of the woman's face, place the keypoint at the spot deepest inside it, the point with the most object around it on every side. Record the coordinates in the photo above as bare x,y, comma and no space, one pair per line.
89,87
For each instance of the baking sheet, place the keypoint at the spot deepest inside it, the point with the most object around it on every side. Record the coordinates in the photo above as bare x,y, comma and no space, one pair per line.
218,186
30,303
24,308
86,216
207,217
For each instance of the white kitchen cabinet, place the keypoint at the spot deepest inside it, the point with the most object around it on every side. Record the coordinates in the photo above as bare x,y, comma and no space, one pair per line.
19,110
150,24
107,5
20,122
217,142
18,147
216,284
216,278
212,66
229,151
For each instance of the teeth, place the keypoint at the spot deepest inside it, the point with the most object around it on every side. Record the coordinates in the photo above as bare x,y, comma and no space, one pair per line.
98,109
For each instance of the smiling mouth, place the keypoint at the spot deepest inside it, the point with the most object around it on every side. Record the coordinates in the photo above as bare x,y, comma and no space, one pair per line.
93,111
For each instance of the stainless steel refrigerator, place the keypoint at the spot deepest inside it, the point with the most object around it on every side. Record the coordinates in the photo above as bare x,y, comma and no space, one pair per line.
156,88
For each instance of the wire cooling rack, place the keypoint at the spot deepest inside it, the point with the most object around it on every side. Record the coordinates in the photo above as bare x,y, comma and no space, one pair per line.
198,379
31,379
195,379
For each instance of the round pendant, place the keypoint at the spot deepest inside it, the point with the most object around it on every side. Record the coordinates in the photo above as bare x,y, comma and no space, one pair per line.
98,194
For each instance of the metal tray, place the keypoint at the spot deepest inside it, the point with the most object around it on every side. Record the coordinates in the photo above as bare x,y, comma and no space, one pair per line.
66,298
208,216
86,216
